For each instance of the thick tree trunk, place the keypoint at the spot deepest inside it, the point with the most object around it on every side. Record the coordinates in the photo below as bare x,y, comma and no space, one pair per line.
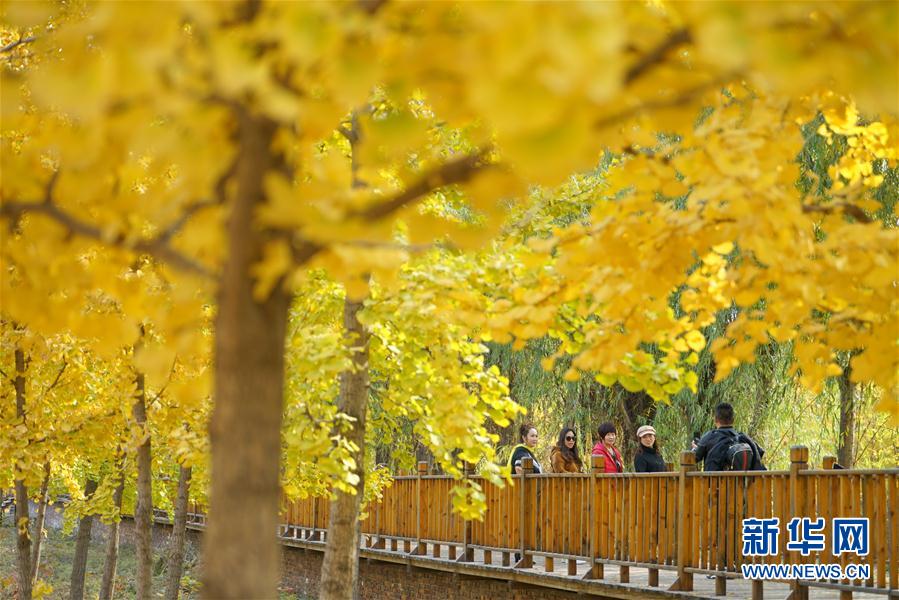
176,541
82,543
38,535
241,554
143,511
107,585
846,443
23,541
340,568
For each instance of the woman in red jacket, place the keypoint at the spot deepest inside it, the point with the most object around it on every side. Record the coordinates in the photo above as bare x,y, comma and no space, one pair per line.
605,447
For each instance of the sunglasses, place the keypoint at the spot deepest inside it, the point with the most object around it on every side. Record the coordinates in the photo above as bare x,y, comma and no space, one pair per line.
569,438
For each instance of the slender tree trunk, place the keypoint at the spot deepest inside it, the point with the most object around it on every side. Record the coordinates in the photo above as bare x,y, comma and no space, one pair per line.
143,511
82,543
340,568
176,542
38,537
846,444
241,554
23,541
107,585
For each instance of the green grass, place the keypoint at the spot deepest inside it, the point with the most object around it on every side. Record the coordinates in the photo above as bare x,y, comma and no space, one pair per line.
56,566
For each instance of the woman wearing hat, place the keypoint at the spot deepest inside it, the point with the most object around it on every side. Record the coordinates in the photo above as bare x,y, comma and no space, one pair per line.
648,459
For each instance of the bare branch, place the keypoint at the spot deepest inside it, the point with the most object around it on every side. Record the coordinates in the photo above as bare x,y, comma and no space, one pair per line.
389,245
353,135
850,209
685,97
166,384
13,45
657,54
157,247
11,380
457,171
371,6
189,211
56,380
87,421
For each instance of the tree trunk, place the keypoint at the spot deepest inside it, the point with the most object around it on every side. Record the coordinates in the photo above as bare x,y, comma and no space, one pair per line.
631,405
846,443
107,586
82,543
241,554
143,511
38,536
340,567
23,541
176,542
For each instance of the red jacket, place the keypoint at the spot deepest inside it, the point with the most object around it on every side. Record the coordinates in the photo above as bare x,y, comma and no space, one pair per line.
610,457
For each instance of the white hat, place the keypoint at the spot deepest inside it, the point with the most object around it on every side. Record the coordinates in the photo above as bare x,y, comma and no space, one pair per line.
645,429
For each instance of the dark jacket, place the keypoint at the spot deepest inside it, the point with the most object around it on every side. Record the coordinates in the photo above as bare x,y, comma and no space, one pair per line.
712,448
521,451
648,460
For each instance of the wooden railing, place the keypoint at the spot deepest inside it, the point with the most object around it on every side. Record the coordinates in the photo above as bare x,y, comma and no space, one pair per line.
685,521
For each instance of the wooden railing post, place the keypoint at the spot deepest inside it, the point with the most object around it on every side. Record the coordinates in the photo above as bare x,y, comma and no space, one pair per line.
597,466
314,535
420,547
798,507
467,550
527,468
828,461
684,582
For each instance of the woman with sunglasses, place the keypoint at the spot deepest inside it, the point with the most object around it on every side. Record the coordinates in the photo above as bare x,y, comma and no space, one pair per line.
565,457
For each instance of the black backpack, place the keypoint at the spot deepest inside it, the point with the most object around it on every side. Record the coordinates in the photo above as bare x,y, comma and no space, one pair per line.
739,454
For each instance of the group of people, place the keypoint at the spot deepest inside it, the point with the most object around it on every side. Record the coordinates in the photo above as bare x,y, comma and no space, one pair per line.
721,449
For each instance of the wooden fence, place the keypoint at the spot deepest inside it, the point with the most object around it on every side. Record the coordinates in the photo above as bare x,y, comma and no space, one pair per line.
685,521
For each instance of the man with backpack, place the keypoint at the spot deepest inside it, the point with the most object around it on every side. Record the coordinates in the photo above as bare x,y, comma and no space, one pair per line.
726,449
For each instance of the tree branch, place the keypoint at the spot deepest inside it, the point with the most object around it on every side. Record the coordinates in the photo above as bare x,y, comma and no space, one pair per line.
685,97
81,425
371,6
56,380
353,136
389,245
10,379
850,209
13,45
165,385
657,54
157,247
457,171
189,211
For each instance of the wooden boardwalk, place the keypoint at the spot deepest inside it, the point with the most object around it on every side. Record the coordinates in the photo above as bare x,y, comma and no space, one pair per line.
611,586
677,534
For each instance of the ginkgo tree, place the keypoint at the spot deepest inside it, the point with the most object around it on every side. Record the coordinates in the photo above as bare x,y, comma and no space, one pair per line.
185,131
819,273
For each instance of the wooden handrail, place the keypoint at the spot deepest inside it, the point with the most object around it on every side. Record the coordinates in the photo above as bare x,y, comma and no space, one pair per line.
685,521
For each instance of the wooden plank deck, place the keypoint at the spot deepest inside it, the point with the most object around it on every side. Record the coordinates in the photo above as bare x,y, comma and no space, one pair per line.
610,586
